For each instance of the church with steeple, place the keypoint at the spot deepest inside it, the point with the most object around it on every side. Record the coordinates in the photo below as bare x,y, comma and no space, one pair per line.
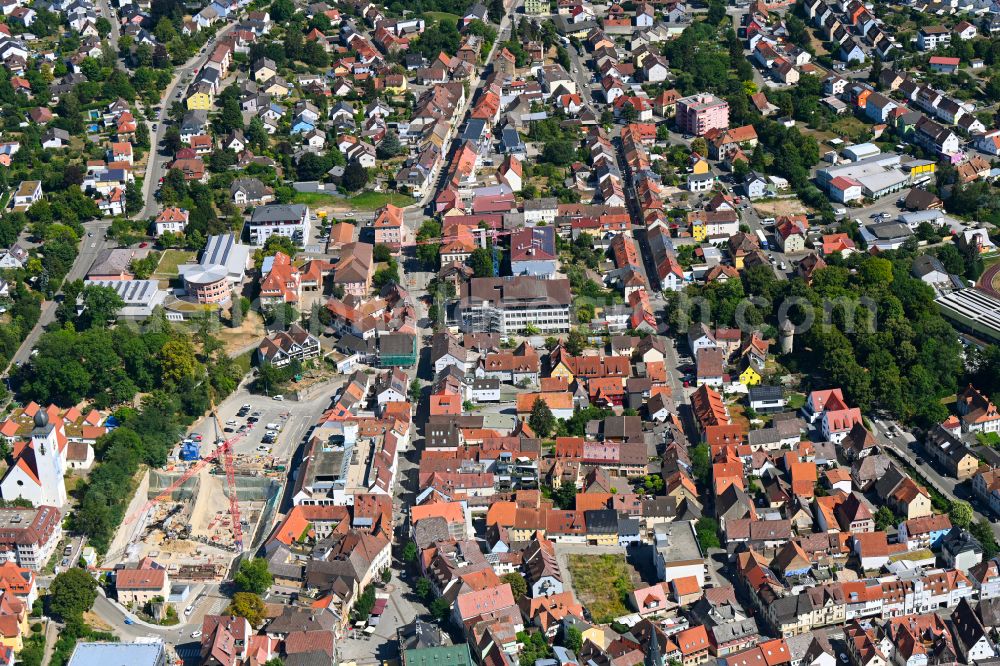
39,465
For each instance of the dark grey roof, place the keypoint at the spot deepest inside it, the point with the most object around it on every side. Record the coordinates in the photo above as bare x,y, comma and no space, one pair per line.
601,521
420,634
314,658
397,343
766,392
925,264
628,527
278,213
968,629
889,230
959,540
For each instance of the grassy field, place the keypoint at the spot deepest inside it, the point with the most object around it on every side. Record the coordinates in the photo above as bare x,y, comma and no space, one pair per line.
374,200
602,583
363,201
849,127
170,260
317,199
438,17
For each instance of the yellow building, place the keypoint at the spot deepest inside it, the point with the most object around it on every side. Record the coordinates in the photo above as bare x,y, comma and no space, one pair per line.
562,369
395,85
922,168
13,634
698,230
750,376
199,101
699,165
602,539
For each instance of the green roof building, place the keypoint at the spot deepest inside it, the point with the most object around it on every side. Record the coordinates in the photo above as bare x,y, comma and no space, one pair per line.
445,655
397,350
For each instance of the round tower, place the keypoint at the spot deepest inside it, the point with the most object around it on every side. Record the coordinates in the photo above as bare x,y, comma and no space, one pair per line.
786,335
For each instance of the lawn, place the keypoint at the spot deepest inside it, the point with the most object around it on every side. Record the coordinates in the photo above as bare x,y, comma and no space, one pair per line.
603,583
317,199
375,200
363,201
170,260
796,401
438,17
849,127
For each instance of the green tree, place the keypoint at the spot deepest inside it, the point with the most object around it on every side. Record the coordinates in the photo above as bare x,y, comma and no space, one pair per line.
961,513
576,341
716,12
884,518
559,152
415,391
572,638
382,253
481,262
518,585
177,361
248,605
707,530
355,176
565,496
440,609
410,552
101,305
427,250
984,534
541,420
253,576
701,465
390,146
423,588
72,593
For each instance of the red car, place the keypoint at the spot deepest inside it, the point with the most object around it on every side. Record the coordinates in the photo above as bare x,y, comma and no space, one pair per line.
687,384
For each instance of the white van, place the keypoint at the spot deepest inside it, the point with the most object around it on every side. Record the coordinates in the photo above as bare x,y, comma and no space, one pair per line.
273,426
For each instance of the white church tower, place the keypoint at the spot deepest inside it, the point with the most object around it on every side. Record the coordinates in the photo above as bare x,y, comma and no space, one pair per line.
49,461
37,472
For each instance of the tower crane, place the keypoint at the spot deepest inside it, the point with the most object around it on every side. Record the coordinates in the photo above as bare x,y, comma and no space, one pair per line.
224,454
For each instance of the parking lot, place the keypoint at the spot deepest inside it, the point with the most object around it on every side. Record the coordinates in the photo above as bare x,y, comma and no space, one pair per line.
293,419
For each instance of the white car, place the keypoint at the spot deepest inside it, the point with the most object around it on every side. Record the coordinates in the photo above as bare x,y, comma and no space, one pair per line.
279,397
196,634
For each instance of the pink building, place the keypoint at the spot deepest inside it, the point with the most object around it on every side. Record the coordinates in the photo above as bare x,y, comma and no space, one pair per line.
700,113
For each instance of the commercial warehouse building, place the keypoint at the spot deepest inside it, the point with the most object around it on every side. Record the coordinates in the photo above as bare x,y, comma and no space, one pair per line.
972,311
877,176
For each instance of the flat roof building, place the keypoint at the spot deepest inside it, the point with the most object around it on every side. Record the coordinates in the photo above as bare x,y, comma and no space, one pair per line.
878,175
119,654
973,311
140,296
223,264
508,305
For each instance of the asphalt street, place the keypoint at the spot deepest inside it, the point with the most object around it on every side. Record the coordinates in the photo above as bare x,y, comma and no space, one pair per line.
155,165
908,448
91,245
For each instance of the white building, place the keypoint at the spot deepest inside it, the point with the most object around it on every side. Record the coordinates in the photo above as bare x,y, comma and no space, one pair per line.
290,220
512,304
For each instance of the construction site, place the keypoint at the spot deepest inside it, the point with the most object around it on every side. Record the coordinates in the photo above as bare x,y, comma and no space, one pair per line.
185,517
